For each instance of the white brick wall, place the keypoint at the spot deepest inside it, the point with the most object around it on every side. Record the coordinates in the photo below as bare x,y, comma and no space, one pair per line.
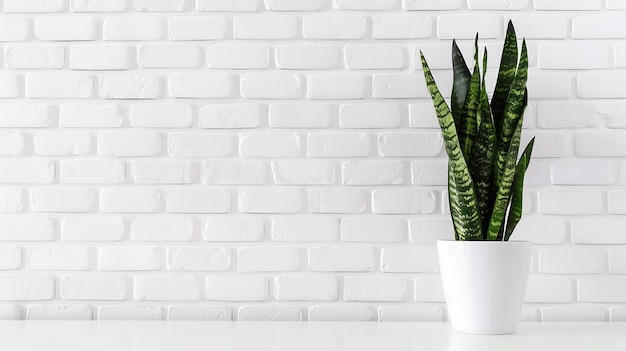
281,160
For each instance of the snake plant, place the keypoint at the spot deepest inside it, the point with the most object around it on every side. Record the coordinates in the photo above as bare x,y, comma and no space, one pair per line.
482,140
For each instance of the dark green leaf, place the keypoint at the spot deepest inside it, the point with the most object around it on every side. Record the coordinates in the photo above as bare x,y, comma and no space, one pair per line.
515,211
461,78
468,126
508,63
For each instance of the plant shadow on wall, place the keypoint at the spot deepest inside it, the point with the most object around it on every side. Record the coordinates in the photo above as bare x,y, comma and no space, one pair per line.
484,275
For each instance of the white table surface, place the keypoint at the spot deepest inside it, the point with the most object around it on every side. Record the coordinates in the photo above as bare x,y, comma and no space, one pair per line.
300,336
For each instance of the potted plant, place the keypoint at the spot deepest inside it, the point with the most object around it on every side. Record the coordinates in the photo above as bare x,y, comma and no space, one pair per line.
484,274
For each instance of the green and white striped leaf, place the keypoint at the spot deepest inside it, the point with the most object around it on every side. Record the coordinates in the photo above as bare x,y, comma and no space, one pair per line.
468,126
461,78
506,74
515,211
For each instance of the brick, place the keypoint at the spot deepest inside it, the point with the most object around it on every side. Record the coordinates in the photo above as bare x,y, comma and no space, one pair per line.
305,229
617,261
304,56
602,290
234,172
130,258
366,5
66,28
269,313
595,144
168,56
549,86
197,86
26,6
213,259
615,5
461,26
66,143
567,56
592,172
236,288
25,171
156,228
86,228
401,26
130,200
235,56
600,85
269,145
199,313
567,313
59,312
598,27
567,115
399,86
11,257
550,290
336,86
200,145
572,260
418,5
160,5
197,28
429,172
535,26
341,259
233,229
90,116
616,202
288,5
334,27
617,117
70,258
338,145
497,5
10,312
100,57
430,230
166,288
271,200
231,116
342,313
373,173
429,289
570,202
124,144
12,143
98,5
598,232
357,288
27,229
337,200
548,145
395,201
357,229
541,231
135,313
301,115
271,86
134,28
377,56
306,288
266,27
576,5
160,115
92,171
26,287
14,29
164,172
188,200
12,200
59,86
34,57
11,86
410,144
228,5
304,172
130,86
268,259
409,259
410,314
63,200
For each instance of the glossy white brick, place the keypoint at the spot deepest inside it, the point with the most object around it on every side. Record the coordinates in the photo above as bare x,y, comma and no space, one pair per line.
12,200
544,26
130,258
34,57
166,288
130,86
301,115
550,290
168,56
87,115
160,5
541,230
66,143
14,29
11,86
269,145
617,262
598,231
305,229
65,28
155,228
375,56
401,26
595,144
160,115
304,172
270,313
237,288
84,287
26,287
59,312
197,86
567,115
396,201
133,28
342,259
592,26
573,202
570,56
269,27
462,26
373,172
410,314
288,5
423,230
98,5
409,259
373,288
26,171
135,313
228,5
25,115
572,260
163,172
366,5
616,200
271,200
124,144
63,200
429,172
398,86
268,259
10,312
69,258
91,228
304,56
92,171
602,290
429,289
567,5
11,257
549,86
12,143
418,5
34,6
371,115
233,229
568,313
356,229
615,4
592,172
410,144
338,145
237,56
342,313
234,172
271,86
336,86
199,313
212,259
497,5
337,200
333,27
100,57
197,27
200,145
304,288
130,200
59,86
189,200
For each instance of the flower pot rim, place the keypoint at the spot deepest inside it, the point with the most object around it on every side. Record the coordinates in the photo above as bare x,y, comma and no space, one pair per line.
484,242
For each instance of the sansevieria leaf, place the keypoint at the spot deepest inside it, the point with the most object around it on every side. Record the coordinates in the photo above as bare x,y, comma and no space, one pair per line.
517,191
463,206
468,126
506,74
461,78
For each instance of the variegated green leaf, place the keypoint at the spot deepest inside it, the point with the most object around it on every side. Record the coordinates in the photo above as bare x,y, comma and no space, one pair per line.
461,78
517,191
506,74
468,126
463,206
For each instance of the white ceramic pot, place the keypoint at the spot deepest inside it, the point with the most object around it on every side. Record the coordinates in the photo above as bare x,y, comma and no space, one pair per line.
484,283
